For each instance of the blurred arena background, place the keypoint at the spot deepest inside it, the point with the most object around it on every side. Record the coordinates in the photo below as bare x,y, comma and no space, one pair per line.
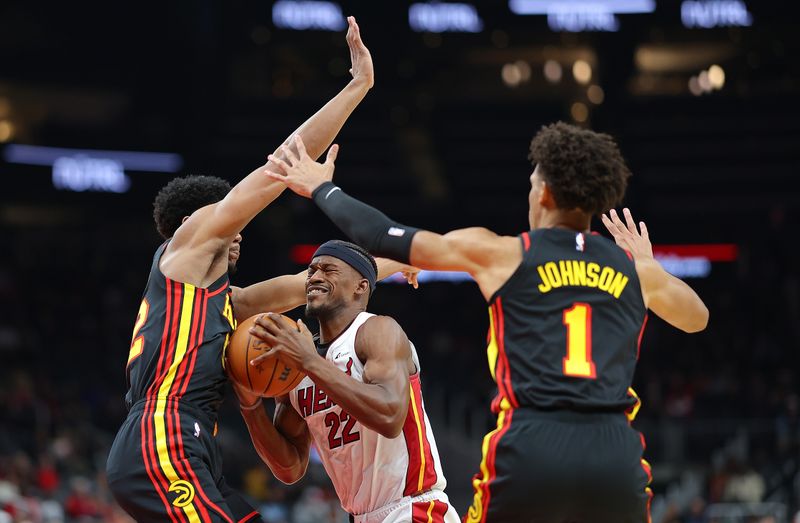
703,96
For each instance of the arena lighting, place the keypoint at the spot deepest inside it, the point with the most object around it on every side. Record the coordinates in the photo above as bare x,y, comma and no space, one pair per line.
435,17
582,15
82,170
683,261
302,15
706,14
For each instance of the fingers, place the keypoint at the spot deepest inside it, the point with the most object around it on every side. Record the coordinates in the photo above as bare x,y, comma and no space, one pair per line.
610,225
301,147
283,166
645,232
266,323
265,355
303,328
411,278
288,153
275,176
629,221
333,152
617,221
351,30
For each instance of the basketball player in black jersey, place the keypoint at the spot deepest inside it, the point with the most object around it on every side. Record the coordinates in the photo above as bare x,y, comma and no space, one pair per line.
164,464
566,309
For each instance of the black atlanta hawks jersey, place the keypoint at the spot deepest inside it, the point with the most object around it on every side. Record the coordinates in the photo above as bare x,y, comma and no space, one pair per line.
179,340
565,328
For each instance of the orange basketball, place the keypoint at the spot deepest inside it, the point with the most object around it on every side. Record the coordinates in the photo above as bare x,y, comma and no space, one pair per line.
272,376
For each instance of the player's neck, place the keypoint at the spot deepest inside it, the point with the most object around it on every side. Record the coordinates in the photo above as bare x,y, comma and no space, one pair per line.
331,328
575,220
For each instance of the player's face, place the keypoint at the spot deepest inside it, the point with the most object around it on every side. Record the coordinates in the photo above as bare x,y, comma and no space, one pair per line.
330,286
534,197
233,253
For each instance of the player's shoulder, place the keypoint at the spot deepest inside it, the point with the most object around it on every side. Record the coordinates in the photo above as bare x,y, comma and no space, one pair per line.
379,324
380,331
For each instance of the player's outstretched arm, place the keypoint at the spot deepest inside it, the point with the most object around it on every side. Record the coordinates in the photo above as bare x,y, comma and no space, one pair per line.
488,257
380,404
284,293
284,443
669,297
223,220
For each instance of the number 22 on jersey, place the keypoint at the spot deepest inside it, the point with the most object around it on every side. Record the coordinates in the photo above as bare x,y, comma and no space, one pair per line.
578,321
137,342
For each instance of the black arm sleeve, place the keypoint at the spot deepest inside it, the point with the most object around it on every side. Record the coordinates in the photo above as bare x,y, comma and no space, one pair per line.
365,225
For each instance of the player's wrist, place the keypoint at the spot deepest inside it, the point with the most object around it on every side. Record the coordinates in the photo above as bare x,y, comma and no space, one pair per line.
362,84
254,406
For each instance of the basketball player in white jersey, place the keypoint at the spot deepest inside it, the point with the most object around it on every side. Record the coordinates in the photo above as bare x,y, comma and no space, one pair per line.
360,403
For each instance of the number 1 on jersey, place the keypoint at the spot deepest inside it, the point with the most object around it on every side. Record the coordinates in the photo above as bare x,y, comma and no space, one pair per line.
578,320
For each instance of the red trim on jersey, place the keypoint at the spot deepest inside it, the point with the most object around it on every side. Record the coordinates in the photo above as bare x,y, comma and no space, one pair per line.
201,301
411,434
195,339
196,482
211,294
164,339
501,345
419,512
630,256
420,509
526,241
646,467
172,404
249,516
641,333
148,466
491,454
177,290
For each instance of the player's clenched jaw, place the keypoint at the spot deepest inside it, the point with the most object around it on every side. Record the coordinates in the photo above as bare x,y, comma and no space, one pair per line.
331,286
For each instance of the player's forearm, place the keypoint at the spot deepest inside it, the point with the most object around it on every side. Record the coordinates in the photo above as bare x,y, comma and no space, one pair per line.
365,225
373,405
671,298
387,267
283,458
279,294
257,191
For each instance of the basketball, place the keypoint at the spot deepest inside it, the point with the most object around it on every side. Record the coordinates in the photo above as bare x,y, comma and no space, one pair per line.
272,376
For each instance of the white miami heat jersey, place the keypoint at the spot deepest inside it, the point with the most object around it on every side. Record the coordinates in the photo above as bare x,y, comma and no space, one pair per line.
369,471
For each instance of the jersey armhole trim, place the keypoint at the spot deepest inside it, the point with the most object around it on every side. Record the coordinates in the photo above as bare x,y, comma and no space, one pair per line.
526,243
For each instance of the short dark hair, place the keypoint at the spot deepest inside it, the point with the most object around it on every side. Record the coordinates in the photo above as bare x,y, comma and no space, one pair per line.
582,168
182,196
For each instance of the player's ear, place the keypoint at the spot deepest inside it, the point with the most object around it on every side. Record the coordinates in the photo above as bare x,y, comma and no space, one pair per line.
363,287
184,219
546,198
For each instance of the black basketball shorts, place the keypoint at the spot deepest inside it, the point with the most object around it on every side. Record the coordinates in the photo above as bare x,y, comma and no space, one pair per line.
165,466
561,467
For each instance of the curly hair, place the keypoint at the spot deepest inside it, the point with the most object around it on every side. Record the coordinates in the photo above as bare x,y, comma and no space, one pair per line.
182,196
582,168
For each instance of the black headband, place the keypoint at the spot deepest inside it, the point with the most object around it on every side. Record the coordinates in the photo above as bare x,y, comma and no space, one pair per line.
351,257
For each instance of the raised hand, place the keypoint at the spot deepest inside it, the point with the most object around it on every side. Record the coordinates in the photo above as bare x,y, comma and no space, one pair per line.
300,172
360,58
627,235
